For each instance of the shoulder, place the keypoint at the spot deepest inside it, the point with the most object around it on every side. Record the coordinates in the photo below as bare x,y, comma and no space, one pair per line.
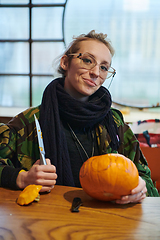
29,114
24,118
118,117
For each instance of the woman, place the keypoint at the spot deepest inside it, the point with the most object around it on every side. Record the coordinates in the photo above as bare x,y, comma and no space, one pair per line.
77,122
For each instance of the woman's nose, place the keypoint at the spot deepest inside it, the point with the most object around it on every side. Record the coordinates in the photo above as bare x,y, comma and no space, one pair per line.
95,70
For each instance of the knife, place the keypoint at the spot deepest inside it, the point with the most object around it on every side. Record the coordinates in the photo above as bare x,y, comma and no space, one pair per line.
40,141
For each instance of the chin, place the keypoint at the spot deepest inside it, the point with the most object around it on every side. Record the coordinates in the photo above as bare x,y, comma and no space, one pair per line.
89,93
86,92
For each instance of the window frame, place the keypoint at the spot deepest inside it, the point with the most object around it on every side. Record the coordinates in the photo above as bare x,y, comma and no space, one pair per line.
30,40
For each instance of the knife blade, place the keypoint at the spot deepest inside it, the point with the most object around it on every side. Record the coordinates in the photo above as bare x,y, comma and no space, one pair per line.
40,141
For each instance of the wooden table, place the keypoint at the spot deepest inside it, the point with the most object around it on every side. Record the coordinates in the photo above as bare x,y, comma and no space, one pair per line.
51,218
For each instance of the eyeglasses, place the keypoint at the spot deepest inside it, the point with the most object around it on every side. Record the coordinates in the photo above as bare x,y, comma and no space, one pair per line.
88,62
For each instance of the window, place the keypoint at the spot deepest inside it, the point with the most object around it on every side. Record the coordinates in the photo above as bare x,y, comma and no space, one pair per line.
133,28
33,33
31,37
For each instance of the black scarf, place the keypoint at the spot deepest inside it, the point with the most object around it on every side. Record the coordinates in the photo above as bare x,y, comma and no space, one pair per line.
57,104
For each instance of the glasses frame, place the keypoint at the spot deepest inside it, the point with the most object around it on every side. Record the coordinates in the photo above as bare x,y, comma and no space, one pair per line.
79,55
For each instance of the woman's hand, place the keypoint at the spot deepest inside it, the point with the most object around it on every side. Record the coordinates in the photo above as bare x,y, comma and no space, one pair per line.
137,194
44,175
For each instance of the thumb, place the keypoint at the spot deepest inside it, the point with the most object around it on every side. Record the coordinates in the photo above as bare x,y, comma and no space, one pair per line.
48,161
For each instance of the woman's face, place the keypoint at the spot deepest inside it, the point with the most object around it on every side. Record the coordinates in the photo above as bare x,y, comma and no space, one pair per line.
81,83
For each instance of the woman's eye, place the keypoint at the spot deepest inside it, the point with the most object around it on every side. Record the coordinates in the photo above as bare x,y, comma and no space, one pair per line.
87,60
104,68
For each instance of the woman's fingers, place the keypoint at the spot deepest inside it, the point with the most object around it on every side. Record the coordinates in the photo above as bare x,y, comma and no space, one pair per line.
137,194
44,175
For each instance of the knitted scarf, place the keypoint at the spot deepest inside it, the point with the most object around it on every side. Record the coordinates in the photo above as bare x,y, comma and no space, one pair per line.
58,105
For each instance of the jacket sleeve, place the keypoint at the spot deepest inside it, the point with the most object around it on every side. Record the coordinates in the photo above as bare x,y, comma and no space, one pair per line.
8,172
18,146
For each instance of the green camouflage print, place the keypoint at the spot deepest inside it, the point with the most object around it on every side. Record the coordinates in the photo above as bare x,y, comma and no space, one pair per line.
19,145
18,141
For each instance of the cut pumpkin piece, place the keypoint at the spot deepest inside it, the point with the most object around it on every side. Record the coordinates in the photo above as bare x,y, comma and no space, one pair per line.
29,194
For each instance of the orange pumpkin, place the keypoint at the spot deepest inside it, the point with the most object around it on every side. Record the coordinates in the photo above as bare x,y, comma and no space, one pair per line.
108,177
29,194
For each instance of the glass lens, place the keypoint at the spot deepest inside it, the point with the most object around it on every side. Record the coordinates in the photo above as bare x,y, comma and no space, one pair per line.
14,91
47,22
14,57
105,74
39,83
48,1
44,56
14,1
87,61
14,23
109,72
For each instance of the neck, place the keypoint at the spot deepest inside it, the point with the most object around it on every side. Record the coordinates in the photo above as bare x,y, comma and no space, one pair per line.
78,97
73,93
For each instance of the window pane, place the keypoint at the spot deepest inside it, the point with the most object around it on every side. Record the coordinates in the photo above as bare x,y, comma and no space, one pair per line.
14,91
14,58
44,55
14,1
48,1
39,84
133,28
14,23
47,23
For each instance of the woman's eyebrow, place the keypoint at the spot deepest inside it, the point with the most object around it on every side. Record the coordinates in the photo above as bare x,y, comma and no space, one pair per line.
104,61
109,63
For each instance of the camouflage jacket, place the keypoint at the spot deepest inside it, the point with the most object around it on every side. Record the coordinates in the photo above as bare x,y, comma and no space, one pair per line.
19,147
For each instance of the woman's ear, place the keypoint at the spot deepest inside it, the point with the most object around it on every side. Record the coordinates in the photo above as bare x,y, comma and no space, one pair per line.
64,62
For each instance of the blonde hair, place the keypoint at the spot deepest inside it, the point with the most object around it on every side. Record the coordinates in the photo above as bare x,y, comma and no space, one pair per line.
75,45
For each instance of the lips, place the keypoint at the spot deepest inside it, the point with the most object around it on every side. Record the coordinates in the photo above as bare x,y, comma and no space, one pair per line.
90,82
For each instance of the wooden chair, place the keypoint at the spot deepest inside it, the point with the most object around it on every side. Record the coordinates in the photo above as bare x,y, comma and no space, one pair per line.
152,156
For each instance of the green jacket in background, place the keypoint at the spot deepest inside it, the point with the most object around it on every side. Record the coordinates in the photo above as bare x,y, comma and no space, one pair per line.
19,147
